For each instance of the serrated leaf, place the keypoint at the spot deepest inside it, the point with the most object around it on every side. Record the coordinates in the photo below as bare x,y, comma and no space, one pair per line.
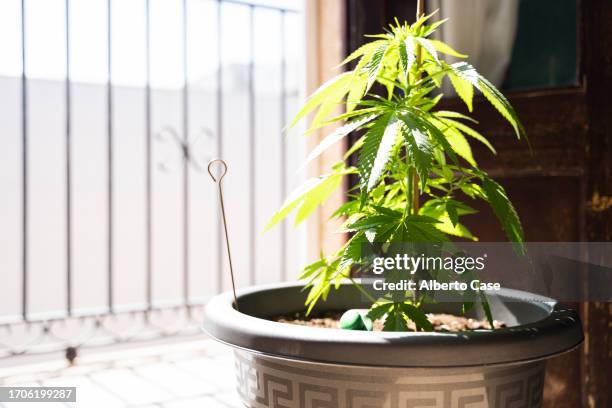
383,233
376,150
436,134
460,145
345,209
430,103
422,219
407,56
335,84
470,132
418,228
487,309
321,285
493,95
418,147
365,50
391,63
439,209
458,230
464,89
378,310
384,36
455,115
432,27
387,211
308,197
317,196
421,232
379,191
417,316
503,209
395,320
499,101
370,235
435,73
310,270
348,116
466,306
375,64
447,173
352,251
472,190
356,92
336,136
329,106
320,290
293,200
422,20
368,222
453,215
429,47
444,48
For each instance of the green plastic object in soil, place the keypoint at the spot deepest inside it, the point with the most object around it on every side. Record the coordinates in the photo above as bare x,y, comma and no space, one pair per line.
356,320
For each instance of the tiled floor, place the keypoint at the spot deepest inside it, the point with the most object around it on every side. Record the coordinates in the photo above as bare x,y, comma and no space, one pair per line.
189,374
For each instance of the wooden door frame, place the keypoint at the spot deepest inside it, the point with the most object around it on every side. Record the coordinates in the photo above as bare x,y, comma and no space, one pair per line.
570,132
325,50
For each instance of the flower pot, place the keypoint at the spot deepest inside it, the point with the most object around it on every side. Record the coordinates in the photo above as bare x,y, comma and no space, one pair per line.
282,365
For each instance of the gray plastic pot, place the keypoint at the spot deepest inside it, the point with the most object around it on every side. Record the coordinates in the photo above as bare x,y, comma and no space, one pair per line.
282,365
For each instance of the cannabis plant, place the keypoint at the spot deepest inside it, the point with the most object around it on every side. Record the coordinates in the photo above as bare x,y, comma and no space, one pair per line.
414,160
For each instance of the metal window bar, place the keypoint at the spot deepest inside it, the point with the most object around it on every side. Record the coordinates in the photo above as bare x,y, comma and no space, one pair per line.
149,176
68,167
283,118
98,318
24,162
185,153
219,135
109,156
252,147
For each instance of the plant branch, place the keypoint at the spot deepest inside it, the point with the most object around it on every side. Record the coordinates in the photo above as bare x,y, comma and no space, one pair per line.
415,192
357,286
420,8
419,60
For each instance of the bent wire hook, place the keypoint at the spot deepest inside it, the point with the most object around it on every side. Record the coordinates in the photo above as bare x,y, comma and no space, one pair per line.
218,181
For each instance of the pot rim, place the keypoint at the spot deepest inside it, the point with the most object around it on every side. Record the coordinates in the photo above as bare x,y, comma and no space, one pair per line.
559,332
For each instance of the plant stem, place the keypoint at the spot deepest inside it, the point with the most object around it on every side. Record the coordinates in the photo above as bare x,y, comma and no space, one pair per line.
408,209
415,177
415,192
357,286
420,8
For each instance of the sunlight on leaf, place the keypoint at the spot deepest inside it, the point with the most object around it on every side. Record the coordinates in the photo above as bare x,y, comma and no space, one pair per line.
446,49
331,87
376,150
337,135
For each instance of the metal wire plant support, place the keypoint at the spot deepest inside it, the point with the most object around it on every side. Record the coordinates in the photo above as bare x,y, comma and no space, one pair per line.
218,179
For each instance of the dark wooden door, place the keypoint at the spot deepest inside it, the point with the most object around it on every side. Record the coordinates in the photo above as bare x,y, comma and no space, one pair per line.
562,187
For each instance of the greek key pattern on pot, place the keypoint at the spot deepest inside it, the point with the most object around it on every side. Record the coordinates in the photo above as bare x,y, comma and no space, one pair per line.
265,382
